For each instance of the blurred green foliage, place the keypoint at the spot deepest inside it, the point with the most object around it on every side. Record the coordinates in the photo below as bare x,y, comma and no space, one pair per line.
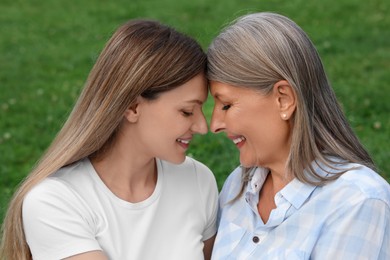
48,47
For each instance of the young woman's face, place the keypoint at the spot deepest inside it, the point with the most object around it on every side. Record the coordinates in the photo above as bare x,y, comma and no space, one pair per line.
252,121
166,125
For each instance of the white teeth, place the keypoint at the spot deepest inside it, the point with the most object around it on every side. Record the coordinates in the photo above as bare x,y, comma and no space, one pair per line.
183,141
239,139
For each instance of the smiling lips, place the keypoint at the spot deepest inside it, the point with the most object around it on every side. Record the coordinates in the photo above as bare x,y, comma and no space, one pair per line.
238,141
183,142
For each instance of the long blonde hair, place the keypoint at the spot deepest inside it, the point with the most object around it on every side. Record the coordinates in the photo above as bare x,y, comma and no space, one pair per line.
142,58
258,50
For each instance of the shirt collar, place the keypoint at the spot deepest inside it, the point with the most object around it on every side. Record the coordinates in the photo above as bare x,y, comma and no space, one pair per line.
297,192
257,178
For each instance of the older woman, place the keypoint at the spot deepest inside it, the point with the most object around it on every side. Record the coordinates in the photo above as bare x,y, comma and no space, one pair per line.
306,187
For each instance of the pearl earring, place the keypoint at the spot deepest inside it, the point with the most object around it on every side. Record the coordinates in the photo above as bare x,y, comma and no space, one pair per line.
284,116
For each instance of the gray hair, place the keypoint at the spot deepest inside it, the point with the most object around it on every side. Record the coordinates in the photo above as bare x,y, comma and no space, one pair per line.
260,49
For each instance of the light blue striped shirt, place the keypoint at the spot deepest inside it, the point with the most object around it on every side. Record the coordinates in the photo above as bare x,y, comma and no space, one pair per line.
346,219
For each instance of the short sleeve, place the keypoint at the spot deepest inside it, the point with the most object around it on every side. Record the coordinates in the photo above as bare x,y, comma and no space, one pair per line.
56,222
209,197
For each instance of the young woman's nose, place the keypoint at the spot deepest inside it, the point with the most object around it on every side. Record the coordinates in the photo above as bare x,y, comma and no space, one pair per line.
200,124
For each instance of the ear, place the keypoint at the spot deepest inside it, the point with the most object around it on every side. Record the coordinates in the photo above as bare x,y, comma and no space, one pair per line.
133,112
286,99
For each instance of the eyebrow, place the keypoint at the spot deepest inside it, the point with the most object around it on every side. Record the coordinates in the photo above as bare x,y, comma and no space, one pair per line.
216,95
195,101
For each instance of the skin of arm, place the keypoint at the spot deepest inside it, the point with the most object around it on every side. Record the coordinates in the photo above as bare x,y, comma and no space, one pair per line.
99,255
208,247
92,255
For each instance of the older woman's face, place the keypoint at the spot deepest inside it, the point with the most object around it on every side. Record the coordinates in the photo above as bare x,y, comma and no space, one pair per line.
253,122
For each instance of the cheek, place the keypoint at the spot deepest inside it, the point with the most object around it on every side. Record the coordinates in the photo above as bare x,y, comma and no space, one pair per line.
271,138
262,127
236,116
242,120
174,125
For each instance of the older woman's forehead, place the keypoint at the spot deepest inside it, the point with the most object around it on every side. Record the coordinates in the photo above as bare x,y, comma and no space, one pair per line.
220,89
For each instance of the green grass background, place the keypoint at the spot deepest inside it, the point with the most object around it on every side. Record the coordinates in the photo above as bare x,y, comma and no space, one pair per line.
48,47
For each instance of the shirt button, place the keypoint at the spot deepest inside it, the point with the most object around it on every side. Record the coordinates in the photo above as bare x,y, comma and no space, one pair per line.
255,239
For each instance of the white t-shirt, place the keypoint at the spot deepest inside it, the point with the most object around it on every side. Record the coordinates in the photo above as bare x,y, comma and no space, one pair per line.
73,212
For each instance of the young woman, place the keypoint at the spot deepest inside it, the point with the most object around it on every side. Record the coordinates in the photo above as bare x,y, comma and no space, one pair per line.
115,183
306,188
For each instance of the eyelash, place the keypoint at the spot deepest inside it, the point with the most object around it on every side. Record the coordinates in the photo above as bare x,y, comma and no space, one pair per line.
187,114
226,107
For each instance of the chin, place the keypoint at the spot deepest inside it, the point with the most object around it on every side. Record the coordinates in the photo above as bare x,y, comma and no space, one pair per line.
246,164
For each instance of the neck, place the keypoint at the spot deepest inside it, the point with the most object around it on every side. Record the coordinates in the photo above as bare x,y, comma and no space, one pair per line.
128,173
274,182
279,173
277,181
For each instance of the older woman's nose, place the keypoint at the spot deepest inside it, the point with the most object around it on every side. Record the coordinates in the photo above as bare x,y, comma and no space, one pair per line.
217,124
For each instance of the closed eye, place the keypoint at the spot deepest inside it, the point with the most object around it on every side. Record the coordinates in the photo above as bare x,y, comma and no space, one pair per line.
226,107
186,114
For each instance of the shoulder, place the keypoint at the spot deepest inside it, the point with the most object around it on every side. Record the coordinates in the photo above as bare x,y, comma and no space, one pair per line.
52,200
59,220
234,176
200,169
204,175
75,174
190,167
364,182
57,189
232,186
191,175
45,192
